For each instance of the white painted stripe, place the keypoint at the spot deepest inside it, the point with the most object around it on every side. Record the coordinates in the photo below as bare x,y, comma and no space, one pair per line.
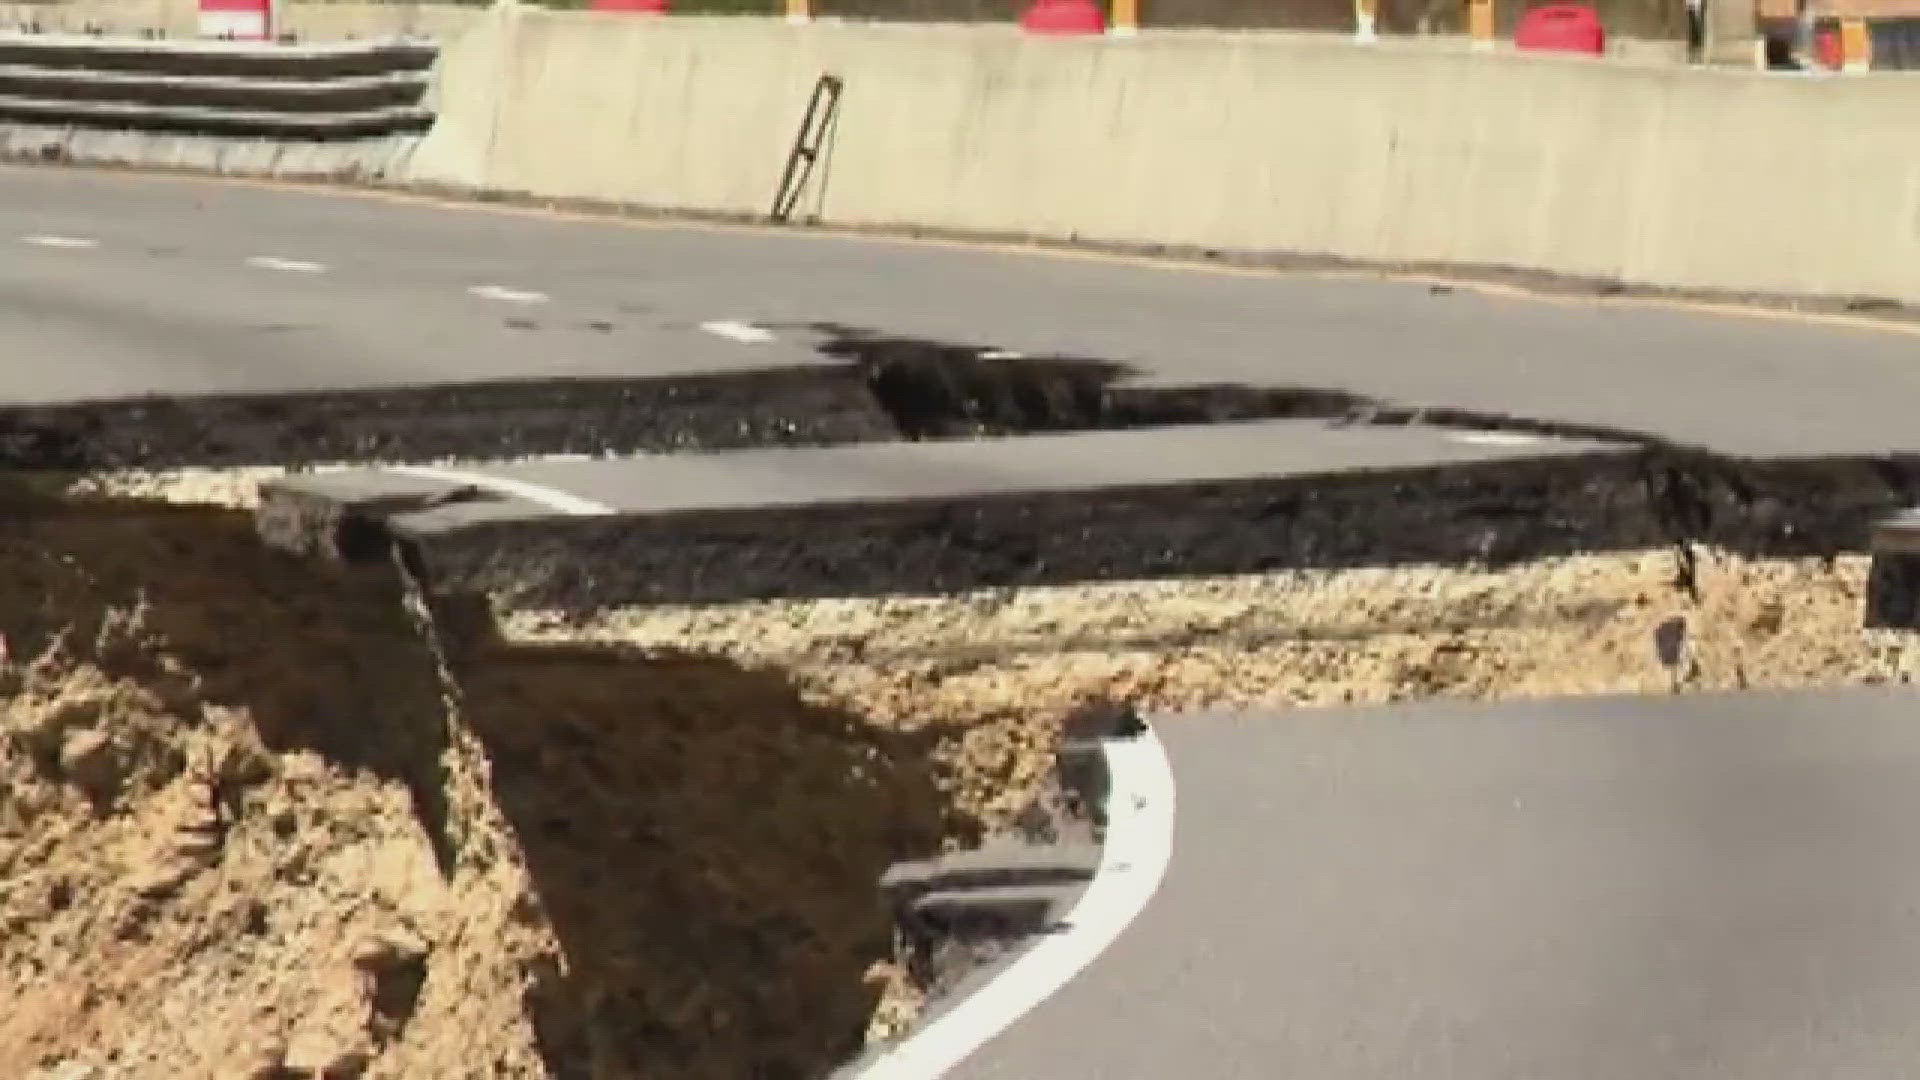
1133,860
1496,438
511,296
551,498
62,241
746,333
291,266
1002,354
361,465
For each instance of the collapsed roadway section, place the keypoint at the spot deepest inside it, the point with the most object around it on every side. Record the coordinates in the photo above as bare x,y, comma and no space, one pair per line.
1293,862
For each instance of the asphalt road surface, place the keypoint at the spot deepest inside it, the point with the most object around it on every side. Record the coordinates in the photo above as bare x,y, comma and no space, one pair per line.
113,285
1693,888
1118,461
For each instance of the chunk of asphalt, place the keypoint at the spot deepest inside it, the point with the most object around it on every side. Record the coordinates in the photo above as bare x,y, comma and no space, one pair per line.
1893,573
994,865
998,910
343,517
877,519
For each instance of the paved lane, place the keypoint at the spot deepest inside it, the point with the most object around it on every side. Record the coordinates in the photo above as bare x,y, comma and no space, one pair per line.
1116,461
167,300
1672,889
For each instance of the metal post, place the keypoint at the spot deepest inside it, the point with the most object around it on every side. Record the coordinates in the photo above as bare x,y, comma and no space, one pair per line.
1480,23
1856,45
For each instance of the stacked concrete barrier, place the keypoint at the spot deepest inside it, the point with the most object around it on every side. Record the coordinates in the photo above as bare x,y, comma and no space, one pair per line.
320,20
1717,179
129,18
340,111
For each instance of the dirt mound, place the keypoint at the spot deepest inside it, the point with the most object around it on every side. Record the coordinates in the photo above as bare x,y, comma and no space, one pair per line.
242,834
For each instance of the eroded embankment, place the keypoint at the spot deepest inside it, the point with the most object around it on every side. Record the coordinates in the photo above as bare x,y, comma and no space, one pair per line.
238,829
246,831
236,821
1002,665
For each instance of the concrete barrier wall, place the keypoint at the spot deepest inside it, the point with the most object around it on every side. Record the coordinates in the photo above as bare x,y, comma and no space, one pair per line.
373,21
339,110
316,21
175,18
1652,174
1403,151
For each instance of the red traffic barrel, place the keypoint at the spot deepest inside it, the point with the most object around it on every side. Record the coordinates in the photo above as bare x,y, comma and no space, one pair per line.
1827,51
1561,28
1064,17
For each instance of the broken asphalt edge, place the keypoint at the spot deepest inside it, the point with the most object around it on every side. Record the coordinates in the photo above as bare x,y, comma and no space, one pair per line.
989,932
1118,785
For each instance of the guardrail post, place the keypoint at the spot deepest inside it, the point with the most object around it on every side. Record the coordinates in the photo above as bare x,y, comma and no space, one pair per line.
1363,20
1856,45
1480,23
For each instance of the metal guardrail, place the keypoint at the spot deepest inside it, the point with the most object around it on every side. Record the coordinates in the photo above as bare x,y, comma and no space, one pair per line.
223,88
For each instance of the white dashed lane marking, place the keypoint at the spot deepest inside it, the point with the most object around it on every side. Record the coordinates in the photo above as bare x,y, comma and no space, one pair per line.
290,266
511,296
61,241
745,333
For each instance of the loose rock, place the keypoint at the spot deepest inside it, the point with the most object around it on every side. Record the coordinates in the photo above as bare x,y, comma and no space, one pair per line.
90,759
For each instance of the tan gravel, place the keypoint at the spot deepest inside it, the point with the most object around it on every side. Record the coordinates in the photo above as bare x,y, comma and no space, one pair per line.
233,799
991,669
235,488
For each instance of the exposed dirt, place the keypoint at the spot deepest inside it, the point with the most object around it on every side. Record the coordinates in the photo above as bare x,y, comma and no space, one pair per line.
1001,664
240,836
246,832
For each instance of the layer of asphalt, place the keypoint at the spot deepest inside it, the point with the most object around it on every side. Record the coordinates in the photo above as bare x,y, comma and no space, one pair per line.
891,472
1684,888
166,302
878,518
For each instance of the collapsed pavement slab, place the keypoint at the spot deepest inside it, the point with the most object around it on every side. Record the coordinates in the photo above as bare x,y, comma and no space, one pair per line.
341,517
945,515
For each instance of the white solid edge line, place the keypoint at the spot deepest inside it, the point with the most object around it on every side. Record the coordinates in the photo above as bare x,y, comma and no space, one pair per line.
551,498
1133,860
733,330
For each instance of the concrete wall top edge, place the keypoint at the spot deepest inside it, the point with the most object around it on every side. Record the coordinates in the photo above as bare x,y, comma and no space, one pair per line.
105,44
758,28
